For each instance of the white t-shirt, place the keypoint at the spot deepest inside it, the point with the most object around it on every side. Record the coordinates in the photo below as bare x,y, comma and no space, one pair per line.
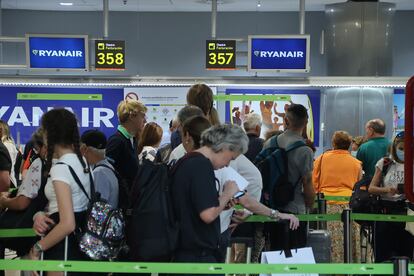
32,181
11,147
251,173
248,171
394,176
177,153
60,172
149,152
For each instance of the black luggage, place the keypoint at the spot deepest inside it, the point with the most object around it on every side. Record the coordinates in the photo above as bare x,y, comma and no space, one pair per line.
320,241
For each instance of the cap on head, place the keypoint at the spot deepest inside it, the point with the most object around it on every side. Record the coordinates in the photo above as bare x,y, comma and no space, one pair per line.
94,138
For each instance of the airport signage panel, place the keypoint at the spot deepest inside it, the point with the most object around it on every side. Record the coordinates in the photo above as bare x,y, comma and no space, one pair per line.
110,55
65,52
279,53
220,54
22,107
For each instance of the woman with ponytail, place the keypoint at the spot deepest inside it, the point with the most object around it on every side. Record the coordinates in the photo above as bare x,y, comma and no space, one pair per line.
67,202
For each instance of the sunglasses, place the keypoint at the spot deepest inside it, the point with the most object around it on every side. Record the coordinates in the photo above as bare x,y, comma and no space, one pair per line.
400,135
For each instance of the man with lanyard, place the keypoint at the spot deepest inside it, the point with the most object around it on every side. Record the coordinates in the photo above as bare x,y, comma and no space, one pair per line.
121,149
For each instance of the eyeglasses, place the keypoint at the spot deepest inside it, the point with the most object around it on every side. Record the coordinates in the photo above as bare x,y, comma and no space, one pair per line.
400,135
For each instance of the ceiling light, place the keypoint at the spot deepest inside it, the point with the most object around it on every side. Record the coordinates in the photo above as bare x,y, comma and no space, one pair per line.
258,4
66,3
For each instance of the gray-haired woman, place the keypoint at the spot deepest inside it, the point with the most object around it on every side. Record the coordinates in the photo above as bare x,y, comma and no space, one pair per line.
196,199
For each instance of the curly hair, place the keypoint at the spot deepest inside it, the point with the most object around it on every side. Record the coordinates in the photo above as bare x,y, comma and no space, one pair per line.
225,137
61,128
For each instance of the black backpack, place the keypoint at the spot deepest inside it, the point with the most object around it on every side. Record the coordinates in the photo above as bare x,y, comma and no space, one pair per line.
361,200
152,227
12,219
272,163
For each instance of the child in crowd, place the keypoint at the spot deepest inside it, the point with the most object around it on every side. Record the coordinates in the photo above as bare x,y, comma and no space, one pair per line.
149,141
66,210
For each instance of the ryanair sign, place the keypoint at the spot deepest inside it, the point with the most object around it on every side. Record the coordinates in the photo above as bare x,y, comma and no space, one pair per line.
50,53
279,53
57,52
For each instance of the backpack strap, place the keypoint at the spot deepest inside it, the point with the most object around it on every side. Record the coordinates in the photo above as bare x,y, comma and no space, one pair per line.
273,142
386,165
77,180
295,145
189,155
109,168
118,177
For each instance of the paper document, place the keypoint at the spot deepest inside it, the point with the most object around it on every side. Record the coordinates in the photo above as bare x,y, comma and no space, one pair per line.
230,174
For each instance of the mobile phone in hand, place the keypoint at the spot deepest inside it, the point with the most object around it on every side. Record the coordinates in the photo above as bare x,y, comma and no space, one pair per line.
239,194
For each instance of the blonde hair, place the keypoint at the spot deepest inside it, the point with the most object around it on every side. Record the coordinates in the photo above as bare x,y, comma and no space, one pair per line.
129,107
358,140
5,132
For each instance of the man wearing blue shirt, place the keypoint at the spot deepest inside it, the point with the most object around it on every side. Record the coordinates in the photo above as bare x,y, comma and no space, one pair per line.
105,181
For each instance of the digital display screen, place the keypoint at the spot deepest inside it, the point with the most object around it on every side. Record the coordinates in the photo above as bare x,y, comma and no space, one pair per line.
220,54
57,52
109,55
279,53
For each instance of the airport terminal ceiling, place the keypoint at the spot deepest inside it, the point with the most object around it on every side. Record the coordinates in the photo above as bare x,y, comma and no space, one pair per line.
182,5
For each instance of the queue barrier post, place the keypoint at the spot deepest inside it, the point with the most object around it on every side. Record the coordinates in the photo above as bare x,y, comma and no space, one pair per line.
400,266
321,209
346,220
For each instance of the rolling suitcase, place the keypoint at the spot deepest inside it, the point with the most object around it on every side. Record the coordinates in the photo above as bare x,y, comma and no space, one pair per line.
320,241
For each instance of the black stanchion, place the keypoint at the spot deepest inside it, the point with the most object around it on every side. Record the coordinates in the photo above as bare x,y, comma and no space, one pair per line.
400,266
321,210
346,220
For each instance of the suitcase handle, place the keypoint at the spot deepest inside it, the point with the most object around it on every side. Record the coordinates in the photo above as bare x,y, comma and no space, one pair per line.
248,241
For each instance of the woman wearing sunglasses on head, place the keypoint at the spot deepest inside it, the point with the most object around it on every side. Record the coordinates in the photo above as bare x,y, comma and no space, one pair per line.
391,238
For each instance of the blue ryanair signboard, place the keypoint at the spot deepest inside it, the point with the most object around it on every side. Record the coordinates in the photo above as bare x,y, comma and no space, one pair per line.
66,52
279,53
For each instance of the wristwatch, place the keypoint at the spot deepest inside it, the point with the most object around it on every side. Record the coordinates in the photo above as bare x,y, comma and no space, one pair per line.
274,214
38,248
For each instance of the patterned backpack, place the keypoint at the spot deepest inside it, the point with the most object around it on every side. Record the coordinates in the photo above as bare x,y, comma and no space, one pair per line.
103,235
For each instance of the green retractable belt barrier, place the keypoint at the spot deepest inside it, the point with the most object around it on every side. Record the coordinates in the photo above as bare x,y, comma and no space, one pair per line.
17,233
336,198
197,268
303,217
59,97
378,217
10,233
222,97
